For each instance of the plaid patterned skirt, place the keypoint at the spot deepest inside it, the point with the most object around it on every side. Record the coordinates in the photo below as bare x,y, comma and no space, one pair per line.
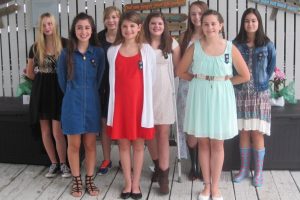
254,110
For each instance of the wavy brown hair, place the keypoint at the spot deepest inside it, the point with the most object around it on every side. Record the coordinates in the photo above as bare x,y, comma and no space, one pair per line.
165,40
133,17
73,40
190,26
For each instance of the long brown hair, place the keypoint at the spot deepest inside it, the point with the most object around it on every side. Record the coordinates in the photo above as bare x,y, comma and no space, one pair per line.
165,40
73,40
41,41
190,26
133,17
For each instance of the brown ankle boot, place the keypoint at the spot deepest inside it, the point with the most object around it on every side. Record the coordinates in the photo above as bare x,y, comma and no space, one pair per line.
155,174
163,181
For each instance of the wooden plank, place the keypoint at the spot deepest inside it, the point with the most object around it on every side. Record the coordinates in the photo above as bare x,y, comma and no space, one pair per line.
118,4
289,45
17,187
21,37
170,17
297,58
154,192
213,5
29,25
8,173
155,5
109,3
64,24
6,59
242,7
244,190
270,29
269,188
37,186
223,11
232,26
285,185
280,40
176,33
176,26
182,190
15,68
55,188
81,6
72,11
99,15
226,185
296,177
91,8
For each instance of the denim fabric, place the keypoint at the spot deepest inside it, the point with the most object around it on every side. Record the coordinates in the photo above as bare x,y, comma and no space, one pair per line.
81,107
264,61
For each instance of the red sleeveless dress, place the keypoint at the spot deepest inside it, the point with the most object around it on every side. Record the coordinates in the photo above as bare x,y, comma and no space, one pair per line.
128,101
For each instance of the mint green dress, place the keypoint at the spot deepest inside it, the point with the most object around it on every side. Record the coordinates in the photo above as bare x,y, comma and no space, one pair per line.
211,107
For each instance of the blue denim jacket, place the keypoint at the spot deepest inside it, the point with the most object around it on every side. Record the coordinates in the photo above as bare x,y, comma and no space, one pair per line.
263,64
80,106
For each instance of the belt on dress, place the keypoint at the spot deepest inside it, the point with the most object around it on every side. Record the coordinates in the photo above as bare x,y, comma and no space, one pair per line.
212,78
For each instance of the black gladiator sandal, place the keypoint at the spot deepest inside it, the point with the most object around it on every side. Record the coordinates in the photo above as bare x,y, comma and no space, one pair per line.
77,186
90,186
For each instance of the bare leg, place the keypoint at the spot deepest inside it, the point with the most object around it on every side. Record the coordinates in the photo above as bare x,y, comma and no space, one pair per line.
258,141
152,147
124,152
216,164
60,141
245,141
89,142
47,140
162,135
204,157
74,142
138,159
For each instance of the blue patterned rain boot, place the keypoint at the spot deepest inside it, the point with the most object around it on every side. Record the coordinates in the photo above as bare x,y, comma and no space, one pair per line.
259,162
245,165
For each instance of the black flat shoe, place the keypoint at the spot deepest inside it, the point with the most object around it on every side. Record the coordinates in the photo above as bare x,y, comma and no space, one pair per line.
125,195
136,195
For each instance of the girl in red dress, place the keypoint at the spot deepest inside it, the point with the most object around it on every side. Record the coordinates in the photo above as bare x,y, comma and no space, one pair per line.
130,109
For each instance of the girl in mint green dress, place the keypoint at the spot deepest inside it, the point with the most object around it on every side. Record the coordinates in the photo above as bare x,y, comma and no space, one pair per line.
210,115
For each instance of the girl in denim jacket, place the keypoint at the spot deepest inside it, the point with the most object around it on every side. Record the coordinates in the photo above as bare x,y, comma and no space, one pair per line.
80,69
253,105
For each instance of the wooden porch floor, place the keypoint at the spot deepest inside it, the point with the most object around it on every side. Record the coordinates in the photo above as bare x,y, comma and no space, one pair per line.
27,182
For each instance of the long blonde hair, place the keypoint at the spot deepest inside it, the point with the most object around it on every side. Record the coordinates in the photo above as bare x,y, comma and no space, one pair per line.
41,41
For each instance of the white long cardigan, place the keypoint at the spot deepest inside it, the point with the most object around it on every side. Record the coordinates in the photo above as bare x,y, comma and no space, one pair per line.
149,65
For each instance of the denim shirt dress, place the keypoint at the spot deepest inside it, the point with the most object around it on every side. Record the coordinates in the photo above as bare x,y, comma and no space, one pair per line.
264,61
80,106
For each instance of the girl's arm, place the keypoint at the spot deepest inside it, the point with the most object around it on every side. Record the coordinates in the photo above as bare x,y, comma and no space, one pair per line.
176,56
240,65
185,63
29,72
61,71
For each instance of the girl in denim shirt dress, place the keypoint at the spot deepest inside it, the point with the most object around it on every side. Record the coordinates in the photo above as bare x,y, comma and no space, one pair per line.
80,69
253,104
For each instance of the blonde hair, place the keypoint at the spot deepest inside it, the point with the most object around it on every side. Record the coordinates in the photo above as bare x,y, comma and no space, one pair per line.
41,42
110,10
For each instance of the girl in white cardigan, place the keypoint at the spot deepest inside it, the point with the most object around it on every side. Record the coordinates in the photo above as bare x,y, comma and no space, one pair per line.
130,110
